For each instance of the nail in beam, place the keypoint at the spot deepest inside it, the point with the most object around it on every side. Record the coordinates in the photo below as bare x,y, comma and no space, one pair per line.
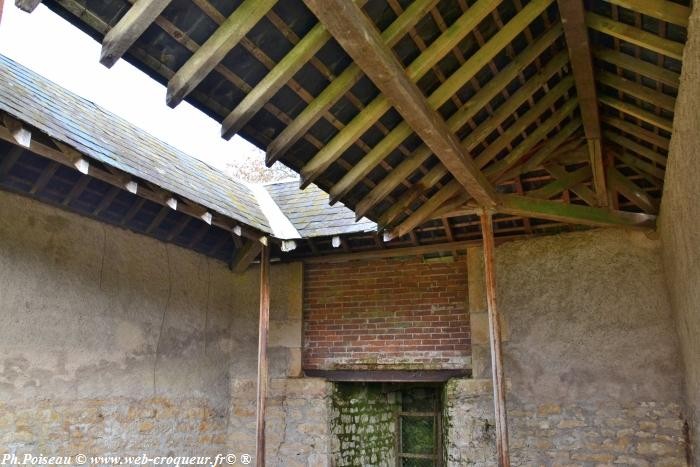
499,392
262,353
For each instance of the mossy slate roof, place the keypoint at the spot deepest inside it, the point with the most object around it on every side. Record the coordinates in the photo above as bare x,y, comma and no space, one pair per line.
111,140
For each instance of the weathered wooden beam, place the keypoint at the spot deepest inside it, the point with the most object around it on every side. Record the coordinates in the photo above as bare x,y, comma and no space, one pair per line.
635,147
637,90
364,45
425,183
20,133
210,54
245,256
670,12
392,252
44,178
499,384
9,159
561,89
263,331
566,181
336,89
426,209
636,163
632,192
27,5
352,29
637,131
497,168
641,114
572,213
573,17
274,80
581,190
636,65
129,28
474,105
442,94
635,36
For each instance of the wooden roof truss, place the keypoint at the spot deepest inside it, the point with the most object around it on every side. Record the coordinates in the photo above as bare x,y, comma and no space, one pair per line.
419,114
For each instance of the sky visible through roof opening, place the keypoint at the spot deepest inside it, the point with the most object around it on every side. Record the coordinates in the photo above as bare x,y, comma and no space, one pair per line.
49,45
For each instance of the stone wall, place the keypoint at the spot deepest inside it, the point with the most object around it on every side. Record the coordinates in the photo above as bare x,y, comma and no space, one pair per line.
364,425
679,223
591,355
394,313
115,343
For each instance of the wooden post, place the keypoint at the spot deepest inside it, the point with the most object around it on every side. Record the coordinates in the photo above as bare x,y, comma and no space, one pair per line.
499,391
262,353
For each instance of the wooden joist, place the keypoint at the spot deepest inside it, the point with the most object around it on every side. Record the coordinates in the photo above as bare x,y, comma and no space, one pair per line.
274,80
637,112
336,89
471,108
573,18
245,255
565,181
635,36
632,192
380,64
442,94
580,189
670,12
572,213
639,164
210,54
427,208
637,131
635,147
639,91
636,65
129,28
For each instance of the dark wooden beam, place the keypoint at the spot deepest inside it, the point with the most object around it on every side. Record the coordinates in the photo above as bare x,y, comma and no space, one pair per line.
9,159
263,331
27,5
576,32
210,54
499,385
361,40
129,28
387,376
245,255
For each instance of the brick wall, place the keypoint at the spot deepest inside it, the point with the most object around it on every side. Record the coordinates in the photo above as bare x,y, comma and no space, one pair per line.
387,313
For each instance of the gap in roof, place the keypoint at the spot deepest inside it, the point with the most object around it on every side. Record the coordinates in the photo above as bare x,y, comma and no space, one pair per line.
47,44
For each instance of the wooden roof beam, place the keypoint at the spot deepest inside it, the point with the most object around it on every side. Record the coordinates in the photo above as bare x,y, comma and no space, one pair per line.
635,36
442,94
336,89
210,54
359,37
636,90
670,12
572,213
632,192
381,66
474,105
581,190
27,5
637,112
636,65
573,18
245,255
129,28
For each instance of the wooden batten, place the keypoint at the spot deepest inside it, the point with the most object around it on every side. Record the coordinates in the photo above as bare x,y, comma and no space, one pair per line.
263,332
499,390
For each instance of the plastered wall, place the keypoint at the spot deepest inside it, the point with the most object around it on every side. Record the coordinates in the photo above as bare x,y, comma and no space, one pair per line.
591,355
112,343
679,224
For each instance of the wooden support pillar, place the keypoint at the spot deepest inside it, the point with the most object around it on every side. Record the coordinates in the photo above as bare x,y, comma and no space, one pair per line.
262,353
499,391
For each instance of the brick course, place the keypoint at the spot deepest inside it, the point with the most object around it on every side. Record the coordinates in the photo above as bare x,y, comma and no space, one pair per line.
392,313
